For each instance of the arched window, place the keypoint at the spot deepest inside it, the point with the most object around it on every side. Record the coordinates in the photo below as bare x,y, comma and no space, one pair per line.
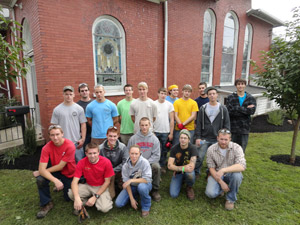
229,49
247,52
208,46
109,54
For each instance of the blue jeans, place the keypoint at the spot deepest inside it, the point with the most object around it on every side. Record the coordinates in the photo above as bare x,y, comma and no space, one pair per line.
44,188
234,180
201,155
178,179
163,137
79,153
143,190
176,136
241,139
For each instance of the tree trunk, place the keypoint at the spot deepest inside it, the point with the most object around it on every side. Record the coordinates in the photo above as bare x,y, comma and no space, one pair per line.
296,129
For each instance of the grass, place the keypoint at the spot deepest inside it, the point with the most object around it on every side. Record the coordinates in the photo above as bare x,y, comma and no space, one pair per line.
269,194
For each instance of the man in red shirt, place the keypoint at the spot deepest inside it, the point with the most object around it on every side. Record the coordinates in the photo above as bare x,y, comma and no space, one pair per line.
61,153
97,170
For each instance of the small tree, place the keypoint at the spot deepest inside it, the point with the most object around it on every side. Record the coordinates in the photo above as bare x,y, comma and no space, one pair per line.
280,72
12,64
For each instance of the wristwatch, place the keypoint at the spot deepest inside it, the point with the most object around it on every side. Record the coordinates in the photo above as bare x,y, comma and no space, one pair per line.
97,196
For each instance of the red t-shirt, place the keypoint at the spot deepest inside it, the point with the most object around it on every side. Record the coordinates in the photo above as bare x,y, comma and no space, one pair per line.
94,173
65,152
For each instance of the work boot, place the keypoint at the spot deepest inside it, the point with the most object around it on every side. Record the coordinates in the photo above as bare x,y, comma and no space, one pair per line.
156,196
190,193
229,205
145,214
44,210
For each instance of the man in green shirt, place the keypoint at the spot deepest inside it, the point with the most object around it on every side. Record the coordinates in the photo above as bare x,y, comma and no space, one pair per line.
127,126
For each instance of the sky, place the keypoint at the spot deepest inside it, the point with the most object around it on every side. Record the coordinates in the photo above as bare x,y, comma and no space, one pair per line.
280,9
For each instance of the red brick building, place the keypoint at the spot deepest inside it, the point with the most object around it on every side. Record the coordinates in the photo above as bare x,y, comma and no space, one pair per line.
114,42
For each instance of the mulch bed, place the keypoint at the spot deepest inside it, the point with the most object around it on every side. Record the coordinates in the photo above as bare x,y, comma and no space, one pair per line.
259,125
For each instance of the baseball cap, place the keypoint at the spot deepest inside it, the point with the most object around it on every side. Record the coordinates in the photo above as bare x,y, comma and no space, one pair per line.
68,88
186,132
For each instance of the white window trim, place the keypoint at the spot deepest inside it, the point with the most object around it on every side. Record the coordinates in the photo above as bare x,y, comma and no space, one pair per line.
112,90
250,36
236,32
212,49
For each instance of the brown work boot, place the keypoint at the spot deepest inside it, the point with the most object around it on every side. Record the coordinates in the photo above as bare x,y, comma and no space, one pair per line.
156,196
44,210
190,193
229,205
145,213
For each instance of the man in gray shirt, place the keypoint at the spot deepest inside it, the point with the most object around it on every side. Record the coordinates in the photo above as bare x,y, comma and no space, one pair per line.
70,116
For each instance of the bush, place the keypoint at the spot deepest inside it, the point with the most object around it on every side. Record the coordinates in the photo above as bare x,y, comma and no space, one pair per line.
13,153
293,115
276,117
30,138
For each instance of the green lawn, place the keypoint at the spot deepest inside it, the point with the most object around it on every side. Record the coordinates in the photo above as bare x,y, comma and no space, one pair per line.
269,194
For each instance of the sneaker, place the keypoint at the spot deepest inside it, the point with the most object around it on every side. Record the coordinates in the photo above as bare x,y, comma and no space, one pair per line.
190,193
156,196
44,210
145,213
229,205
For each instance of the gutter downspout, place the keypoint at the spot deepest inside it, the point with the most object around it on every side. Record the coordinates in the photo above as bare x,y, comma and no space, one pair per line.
165,43
20,78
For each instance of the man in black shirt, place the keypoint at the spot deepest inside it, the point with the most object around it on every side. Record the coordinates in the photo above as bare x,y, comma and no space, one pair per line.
85,99
182,161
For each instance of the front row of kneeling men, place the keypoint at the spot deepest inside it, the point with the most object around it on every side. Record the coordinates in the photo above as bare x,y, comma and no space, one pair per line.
135,170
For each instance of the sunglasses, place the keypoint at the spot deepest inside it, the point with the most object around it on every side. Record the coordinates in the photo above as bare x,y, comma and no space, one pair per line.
54,126
82,84
224,131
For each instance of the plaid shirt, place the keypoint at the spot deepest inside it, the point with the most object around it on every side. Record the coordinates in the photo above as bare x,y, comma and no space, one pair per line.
234,155
240,120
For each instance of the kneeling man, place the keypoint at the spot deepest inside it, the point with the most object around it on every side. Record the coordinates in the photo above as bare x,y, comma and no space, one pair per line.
61,153
97,170
182,161
225,161
136,174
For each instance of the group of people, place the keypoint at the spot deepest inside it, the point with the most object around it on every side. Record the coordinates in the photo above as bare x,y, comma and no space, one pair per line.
100,151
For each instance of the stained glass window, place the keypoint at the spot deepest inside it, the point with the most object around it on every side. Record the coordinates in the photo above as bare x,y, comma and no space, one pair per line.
109,52
247,52
208,46
229,49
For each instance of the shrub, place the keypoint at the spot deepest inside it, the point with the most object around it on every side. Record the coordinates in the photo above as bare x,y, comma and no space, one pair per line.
293,115
276,117
30,138
13,153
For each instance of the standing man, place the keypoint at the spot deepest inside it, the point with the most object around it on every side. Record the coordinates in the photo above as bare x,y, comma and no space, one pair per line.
70,116
127,126
136,174
116,152
61,153
182,161
173,93
150,148
164,125
211,117
85,99
97,171
241,105
142,107
185,113
101,114
225,161
202,99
